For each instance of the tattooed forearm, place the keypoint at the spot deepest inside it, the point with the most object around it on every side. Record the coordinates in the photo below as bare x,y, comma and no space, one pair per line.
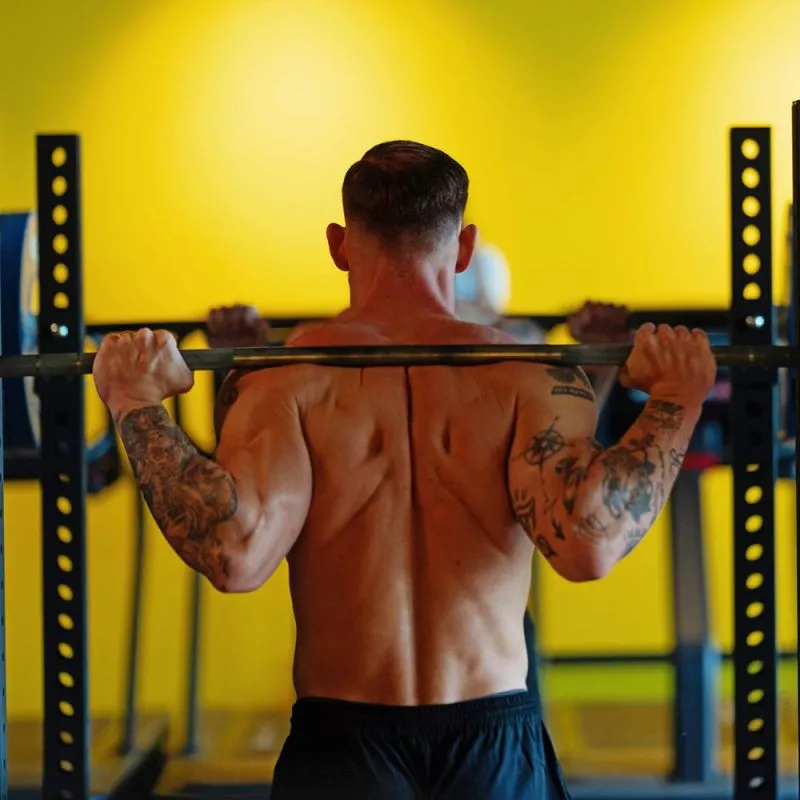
188,495
675,461
629,479
638,473
632,537
668,416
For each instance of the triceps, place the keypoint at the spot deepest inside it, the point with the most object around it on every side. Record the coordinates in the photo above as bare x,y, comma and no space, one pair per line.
550,474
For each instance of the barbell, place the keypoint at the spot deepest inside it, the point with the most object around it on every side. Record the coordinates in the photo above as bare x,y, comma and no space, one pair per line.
65,364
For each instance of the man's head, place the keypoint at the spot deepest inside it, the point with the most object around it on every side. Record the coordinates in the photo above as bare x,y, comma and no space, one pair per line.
407,200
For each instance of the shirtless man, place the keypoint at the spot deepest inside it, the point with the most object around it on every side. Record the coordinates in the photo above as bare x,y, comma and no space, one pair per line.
408,501
482,292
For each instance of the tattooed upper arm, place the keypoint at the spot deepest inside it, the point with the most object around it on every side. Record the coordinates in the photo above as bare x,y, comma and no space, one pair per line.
553,445
570,382
583,506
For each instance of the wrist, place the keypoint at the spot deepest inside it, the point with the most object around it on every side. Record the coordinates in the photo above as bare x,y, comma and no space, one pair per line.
690,404
120,405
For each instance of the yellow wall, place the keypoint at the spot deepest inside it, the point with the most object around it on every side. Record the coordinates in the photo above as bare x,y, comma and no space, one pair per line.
215,135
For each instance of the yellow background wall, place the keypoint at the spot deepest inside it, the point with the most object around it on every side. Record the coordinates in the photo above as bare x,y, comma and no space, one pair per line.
215,136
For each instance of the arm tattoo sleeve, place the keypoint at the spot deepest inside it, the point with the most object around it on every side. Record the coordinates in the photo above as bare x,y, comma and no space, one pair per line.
188,495
581,496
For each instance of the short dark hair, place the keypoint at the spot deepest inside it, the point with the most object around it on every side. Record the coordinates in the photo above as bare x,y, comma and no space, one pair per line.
400,189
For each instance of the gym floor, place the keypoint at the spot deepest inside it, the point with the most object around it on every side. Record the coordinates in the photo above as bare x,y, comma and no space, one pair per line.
617,719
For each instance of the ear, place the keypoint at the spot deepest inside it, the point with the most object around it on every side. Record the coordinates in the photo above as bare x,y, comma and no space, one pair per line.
466,246
335,234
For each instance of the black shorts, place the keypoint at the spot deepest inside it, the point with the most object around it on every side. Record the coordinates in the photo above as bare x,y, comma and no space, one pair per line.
493,748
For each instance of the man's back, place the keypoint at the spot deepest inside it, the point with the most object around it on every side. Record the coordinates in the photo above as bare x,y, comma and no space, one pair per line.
411,574
393,493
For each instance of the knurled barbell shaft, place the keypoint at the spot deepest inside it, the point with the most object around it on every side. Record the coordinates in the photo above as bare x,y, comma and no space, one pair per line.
63,364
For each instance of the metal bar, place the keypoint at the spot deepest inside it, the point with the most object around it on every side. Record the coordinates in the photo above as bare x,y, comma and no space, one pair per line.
63,474
63,364
716,318
754,431
690,317
191,744
625,659
795,333
696,664
134,646
185,327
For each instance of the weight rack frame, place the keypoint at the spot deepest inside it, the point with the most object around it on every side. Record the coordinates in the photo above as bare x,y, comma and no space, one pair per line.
67,735
63,478
754,432
793,302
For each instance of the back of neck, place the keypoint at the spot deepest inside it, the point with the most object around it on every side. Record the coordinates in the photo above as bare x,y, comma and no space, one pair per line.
407,289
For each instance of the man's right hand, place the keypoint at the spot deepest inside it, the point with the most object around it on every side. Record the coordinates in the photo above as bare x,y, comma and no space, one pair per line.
670,363
236,326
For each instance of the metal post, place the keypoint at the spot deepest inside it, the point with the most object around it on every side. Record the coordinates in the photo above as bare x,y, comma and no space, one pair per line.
193,663
3,704
63,474
128,738
192,744
754,423
695,661
794,301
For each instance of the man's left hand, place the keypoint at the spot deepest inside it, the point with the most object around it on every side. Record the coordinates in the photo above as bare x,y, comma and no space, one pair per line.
139,369
600,323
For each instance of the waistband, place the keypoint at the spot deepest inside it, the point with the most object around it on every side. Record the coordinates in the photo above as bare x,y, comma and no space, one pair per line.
317,714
